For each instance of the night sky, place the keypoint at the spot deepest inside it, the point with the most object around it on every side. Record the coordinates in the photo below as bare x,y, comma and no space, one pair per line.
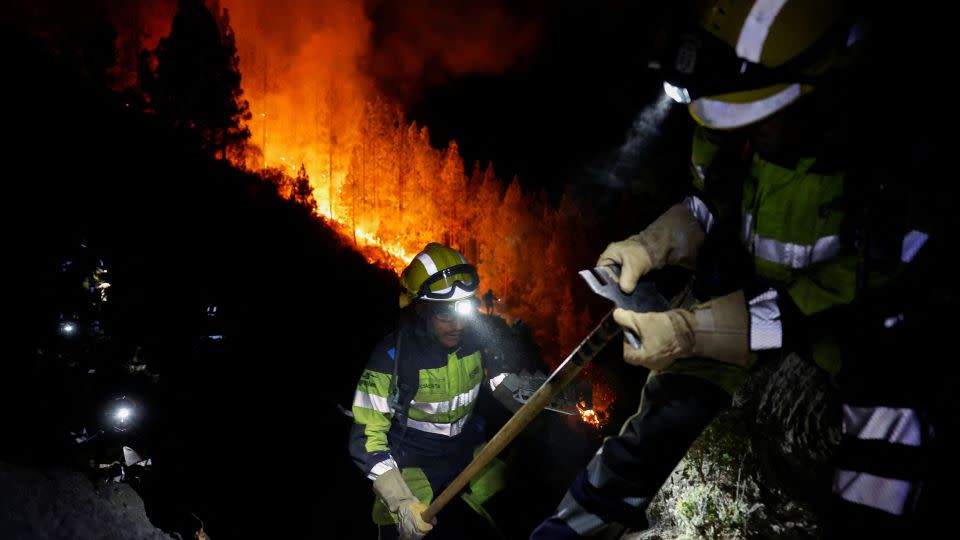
563,108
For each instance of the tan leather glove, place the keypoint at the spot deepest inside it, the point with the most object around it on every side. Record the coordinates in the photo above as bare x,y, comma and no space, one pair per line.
717,329
673,238
395,493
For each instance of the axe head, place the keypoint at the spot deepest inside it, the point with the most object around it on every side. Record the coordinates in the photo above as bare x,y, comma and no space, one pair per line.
604,281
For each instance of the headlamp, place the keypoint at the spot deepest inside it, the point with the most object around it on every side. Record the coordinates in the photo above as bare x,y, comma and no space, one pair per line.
68,328
462,309
466,307
676,93
123,413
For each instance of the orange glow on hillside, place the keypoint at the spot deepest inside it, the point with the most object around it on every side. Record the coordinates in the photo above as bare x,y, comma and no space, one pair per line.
306,72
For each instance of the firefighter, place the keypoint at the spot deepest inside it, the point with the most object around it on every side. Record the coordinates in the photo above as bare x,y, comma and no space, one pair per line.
415,425
773,229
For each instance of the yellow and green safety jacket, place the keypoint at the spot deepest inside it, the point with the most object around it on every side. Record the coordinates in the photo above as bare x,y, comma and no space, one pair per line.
792,223
434,434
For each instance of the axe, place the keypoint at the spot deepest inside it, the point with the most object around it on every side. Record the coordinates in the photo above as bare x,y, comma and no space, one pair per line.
603,282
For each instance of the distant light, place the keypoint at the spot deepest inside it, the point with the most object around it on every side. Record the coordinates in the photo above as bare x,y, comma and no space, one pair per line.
123,413
890,322
680,95
68,328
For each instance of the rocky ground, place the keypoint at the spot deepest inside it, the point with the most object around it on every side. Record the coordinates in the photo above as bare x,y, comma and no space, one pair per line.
761,470
61,504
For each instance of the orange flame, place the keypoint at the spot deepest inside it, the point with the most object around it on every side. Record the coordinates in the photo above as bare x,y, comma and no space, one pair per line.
596,417
376,178
380,182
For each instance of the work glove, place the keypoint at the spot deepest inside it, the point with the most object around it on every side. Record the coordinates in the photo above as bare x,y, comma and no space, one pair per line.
673,238
717,329
395,493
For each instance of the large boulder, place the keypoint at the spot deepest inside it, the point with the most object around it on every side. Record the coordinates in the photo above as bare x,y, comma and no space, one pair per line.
61,504
762,469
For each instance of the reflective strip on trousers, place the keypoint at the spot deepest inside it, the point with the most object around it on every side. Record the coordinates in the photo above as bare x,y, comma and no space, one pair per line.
894,425
885,494
787,253
436,407
582,522
441,428
599,475
371,401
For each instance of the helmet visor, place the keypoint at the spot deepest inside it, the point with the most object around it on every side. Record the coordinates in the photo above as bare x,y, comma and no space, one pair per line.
444,284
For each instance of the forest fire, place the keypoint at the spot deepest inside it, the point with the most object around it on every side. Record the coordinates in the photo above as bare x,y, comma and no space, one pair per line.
327,136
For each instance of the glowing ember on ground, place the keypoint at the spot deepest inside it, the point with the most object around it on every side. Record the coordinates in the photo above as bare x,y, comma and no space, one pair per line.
594,417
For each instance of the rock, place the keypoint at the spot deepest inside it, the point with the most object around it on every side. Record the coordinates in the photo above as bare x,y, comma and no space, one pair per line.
55,504
762,468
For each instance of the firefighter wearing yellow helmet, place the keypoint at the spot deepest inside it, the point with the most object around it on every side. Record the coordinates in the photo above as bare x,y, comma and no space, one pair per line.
772,229
414,423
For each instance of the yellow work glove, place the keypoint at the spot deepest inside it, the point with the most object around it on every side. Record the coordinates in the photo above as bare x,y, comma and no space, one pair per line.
673,238
717,329
395,493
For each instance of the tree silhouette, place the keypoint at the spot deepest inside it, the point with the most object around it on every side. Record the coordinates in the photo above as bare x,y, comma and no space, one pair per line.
302,192
196,82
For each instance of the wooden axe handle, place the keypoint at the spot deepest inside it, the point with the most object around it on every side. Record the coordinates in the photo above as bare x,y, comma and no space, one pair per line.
568,370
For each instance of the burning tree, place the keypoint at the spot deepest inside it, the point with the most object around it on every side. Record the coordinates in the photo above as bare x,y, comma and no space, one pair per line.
193,80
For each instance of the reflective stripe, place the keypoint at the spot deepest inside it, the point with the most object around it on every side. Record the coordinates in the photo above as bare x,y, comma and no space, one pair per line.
495,381
788,253
796,255
427,263
912,242
448,429
582,522
756,27
600,476
897,426
371,401
766,330
886,494
725,115
381,468
435,407
700,211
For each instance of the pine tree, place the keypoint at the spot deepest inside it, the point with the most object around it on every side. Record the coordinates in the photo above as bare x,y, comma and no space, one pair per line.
196,84
302,190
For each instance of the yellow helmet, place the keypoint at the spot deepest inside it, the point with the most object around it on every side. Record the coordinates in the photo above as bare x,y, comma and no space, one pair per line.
438,274
749,59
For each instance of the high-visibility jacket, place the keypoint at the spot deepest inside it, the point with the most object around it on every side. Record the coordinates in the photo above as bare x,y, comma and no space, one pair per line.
421,419
794,226
792,223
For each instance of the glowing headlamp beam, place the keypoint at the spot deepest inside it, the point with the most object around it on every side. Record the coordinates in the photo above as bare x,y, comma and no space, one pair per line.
676,93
